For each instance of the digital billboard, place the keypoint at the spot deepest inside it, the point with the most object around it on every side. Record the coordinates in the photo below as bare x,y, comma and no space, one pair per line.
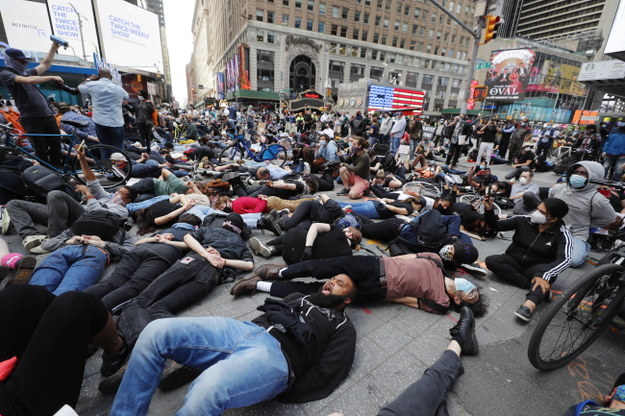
615,45
508,75
130,34
65,24
382,98
26,24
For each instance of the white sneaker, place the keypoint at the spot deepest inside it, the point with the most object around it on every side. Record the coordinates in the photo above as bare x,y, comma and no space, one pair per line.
38,250
260,249
33,241
5,220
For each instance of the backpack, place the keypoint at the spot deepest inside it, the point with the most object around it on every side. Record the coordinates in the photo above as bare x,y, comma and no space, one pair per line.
41,181
99,222
389,164
358,125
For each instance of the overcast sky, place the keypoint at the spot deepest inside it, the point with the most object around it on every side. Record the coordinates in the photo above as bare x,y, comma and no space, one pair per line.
178,16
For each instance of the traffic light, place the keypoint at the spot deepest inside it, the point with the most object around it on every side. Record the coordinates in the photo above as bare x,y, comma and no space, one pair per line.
492,25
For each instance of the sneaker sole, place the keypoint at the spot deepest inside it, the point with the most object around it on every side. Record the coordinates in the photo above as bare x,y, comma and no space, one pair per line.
178,377
259,248
35,242
24,272
521,317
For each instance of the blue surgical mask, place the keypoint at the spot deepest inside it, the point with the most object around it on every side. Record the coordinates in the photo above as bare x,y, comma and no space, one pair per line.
322,142
464,285
578,181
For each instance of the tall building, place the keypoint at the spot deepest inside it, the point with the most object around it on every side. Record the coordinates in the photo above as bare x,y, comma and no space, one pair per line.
289,46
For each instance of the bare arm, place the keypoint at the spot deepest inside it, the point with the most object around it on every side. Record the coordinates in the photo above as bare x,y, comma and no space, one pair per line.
239,264
84,165
45,64
315,229
35,79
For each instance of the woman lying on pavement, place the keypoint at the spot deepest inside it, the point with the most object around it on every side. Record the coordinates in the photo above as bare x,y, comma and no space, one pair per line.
416,280
384,208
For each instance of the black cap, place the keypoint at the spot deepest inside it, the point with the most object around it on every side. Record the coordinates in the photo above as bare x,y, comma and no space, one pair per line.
15,54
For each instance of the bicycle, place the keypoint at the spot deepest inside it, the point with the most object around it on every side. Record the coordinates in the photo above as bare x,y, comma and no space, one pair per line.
580,315
477,202
431,190
237,152
108,174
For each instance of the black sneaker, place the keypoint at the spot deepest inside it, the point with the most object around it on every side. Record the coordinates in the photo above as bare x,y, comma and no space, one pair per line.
475,270
464,332
113,361
524,313
110,385
343,191
269,223
176,375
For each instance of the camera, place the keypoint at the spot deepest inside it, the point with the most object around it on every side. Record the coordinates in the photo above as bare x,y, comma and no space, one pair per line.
59,41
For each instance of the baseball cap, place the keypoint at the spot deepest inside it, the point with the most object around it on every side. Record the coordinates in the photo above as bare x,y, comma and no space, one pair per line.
464,253
16,54
117,157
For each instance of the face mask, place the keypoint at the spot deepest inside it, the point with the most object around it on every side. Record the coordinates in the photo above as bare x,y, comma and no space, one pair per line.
578,181
446,252
464,285
322,142
523,180
620,123
538,218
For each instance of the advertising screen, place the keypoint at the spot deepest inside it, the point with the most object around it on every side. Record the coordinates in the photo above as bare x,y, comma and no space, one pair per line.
615,45
509,72
131,35
26,24
65,24
382,98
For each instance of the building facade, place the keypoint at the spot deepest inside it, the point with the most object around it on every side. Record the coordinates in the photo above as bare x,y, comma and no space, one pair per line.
289,46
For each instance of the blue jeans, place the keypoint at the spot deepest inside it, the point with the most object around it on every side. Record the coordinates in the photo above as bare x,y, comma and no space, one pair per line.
365,209
580,251
395,140
614,163
242,364
113,136
73,267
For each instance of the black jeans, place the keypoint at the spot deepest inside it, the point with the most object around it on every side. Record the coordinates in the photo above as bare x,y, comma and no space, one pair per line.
135,271
508,269
189,280
46,148
49,335
363,270
428,395
454,154
383,230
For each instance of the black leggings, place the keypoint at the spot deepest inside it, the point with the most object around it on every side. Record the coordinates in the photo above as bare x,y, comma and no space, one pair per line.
508,269
49,335
381,193
383,230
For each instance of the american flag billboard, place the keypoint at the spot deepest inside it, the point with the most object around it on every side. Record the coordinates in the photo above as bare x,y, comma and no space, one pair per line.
395,99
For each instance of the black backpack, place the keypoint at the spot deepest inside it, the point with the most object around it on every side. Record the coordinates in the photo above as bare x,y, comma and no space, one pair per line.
41,181
389,164
99,222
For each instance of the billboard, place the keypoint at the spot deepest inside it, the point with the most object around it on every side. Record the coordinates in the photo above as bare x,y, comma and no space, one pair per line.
591,71
130,35
382,98
26,24
616,40
221,85
509,73
65,24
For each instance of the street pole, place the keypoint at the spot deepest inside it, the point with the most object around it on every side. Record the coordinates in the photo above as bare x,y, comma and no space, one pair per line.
82,39
476,34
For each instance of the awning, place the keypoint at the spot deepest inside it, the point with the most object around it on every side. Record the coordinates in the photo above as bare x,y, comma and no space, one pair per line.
253,95
609,86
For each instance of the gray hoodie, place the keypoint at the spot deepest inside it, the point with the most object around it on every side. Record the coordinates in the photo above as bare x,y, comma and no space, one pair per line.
587,207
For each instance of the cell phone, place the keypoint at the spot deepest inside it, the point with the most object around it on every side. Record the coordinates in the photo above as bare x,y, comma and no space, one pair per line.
487,192
80,146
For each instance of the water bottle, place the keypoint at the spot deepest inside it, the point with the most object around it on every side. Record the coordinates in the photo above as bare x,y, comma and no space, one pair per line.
59,41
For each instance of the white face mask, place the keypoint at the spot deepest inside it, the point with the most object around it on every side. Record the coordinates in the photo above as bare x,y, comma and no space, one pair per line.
538,218
523,180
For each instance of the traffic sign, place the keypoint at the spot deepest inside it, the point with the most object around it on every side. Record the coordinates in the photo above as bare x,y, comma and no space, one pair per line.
483,65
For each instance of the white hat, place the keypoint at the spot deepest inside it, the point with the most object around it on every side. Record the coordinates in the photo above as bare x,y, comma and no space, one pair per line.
117,157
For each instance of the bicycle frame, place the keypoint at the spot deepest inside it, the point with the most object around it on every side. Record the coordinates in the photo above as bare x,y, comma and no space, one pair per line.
242,144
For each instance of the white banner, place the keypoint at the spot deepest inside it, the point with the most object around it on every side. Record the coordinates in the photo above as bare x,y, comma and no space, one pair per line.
616,40
65,25
131,35
26,24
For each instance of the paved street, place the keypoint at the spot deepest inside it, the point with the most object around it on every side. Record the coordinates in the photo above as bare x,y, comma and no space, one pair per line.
396,344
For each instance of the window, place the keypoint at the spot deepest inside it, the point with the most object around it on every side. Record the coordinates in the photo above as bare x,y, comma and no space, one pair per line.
264,56
386,23
260,35
411,79
395,41
404,27
365,34
374,54
285,19
322,8
357,16
455,83
366,18
430,33
335,11
311,5
402,43
427,80
376,73
383,39
377,20
443,51
260,15
406,10
265,75
271,37
270,17
298,22
363,52
396,26
414,29
298,4
417,12
443,81
355,52
285,2
345,13
342,49
337,66
380,2
355,34
391,58
343,31
387,5
376,37
399,7
309,24
334,30
321,28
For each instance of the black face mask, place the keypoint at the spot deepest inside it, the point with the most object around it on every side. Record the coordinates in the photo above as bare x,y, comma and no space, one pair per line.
327,301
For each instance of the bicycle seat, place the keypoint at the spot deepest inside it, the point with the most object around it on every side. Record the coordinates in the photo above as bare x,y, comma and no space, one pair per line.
76,123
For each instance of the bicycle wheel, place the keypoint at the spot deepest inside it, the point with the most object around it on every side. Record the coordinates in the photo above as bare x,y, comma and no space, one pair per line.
423,188
231,154
110,175
577,318
275,154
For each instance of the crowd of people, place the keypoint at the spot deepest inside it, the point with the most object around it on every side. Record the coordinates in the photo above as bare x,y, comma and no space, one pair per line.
185,223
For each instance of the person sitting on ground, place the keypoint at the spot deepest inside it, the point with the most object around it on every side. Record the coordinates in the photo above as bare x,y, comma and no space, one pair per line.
61,210
355,176
415,280
613,404
541,248
326,152
524,193
318,241
307,361
522,162
48,337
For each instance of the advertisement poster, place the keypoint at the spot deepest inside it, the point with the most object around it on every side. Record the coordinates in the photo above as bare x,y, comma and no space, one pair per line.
221,85
26,24
66,25
508,76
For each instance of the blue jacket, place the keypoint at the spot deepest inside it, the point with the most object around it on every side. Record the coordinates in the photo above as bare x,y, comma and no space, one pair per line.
615,143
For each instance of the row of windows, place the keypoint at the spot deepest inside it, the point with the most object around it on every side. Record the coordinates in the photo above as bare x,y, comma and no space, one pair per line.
401,7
